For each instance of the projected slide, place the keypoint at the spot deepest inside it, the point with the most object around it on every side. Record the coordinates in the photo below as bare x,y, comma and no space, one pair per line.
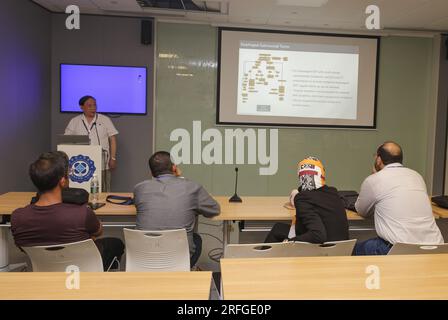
281,78
297,80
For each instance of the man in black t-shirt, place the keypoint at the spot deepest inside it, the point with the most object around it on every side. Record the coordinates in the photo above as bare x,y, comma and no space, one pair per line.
51,222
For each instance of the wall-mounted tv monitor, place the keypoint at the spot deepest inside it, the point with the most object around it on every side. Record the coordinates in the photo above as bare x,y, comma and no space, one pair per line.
117,89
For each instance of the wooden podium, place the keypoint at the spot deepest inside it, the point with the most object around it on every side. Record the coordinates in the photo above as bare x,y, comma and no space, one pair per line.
84,162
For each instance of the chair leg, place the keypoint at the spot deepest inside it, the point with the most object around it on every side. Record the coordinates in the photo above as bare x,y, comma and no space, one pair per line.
214,293
115,259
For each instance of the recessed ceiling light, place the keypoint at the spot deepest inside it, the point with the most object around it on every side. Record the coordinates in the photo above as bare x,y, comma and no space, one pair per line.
114,2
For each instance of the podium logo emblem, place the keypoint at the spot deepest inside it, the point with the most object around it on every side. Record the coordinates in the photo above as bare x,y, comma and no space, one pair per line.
82,168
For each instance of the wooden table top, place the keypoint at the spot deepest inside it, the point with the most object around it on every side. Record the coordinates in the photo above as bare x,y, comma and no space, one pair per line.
252,208
401,277
13,200
107,286
441,212
261,208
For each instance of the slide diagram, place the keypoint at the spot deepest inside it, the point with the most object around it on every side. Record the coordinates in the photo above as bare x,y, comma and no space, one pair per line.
265,72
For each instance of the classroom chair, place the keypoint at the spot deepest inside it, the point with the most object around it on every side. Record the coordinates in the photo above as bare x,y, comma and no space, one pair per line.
408,248
83,255
161,250
289,249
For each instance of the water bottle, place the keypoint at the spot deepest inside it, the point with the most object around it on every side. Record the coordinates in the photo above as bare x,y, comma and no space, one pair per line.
94,189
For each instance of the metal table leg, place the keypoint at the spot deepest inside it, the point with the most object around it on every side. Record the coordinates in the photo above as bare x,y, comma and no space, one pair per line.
225,233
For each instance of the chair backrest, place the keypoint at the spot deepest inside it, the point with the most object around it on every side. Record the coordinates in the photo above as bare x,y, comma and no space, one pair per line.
161,250
56,258
408,248
330,248
289,249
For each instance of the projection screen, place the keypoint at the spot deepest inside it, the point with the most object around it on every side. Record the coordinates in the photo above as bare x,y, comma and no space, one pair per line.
273,78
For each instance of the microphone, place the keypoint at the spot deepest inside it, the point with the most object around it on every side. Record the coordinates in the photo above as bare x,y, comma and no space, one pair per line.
235,197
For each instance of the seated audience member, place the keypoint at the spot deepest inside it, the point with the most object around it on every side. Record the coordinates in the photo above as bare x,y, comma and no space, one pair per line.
320,214
397,197
168,201
51,222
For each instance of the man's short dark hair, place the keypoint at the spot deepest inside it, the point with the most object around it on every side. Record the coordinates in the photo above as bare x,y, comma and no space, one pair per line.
46,171
160,163
389,157
84,99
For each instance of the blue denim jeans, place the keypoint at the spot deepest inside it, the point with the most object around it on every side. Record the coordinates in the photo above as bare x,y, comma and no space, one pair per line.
371,247
198,244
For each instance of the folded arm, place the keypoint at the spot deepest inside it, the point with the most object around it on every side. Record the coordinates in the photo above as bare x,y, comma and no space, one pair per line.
207,206
365,204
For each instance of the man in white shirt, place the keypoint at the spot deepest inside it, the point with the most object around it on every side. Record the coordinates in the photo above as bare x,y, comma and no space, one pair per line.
101,131
398,199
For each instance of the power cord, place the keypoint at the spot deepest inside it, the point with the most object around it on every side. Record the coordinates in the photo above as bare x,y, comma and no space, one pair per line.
210,235
214,254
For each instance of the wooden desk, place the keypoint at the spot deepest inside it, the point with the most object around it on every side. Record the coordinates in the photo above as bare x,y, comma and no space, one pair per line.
13,200
261,208
441,212
401,277
109,286
252,208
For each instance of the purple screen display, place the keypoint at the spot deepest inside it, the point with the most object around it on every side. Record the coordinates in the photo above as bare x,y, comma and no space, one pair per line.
116,89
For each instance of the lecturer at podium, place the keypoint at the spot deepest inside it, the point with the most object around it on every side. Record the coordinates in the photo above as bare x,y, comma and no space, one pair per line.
101,131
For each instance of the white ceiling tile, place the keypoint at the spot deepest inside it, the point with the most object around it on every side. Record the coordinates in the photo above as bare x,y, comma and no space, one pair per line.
248,20
49,5
196,16
84,5
118,5
217,18
441,24
251,8
422,17
403,14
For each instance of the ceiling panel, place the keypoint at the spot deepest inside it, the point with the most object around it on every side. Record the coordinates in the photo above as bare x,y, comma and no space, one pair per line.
423,17
84,5
251,8
49,5
311,23
196,16
217,18
249,20
441,24
345,14
118,5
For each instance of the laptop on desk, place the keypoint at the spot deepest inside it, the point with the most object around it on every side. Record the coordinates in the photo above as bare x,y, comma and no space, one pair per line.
73,139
